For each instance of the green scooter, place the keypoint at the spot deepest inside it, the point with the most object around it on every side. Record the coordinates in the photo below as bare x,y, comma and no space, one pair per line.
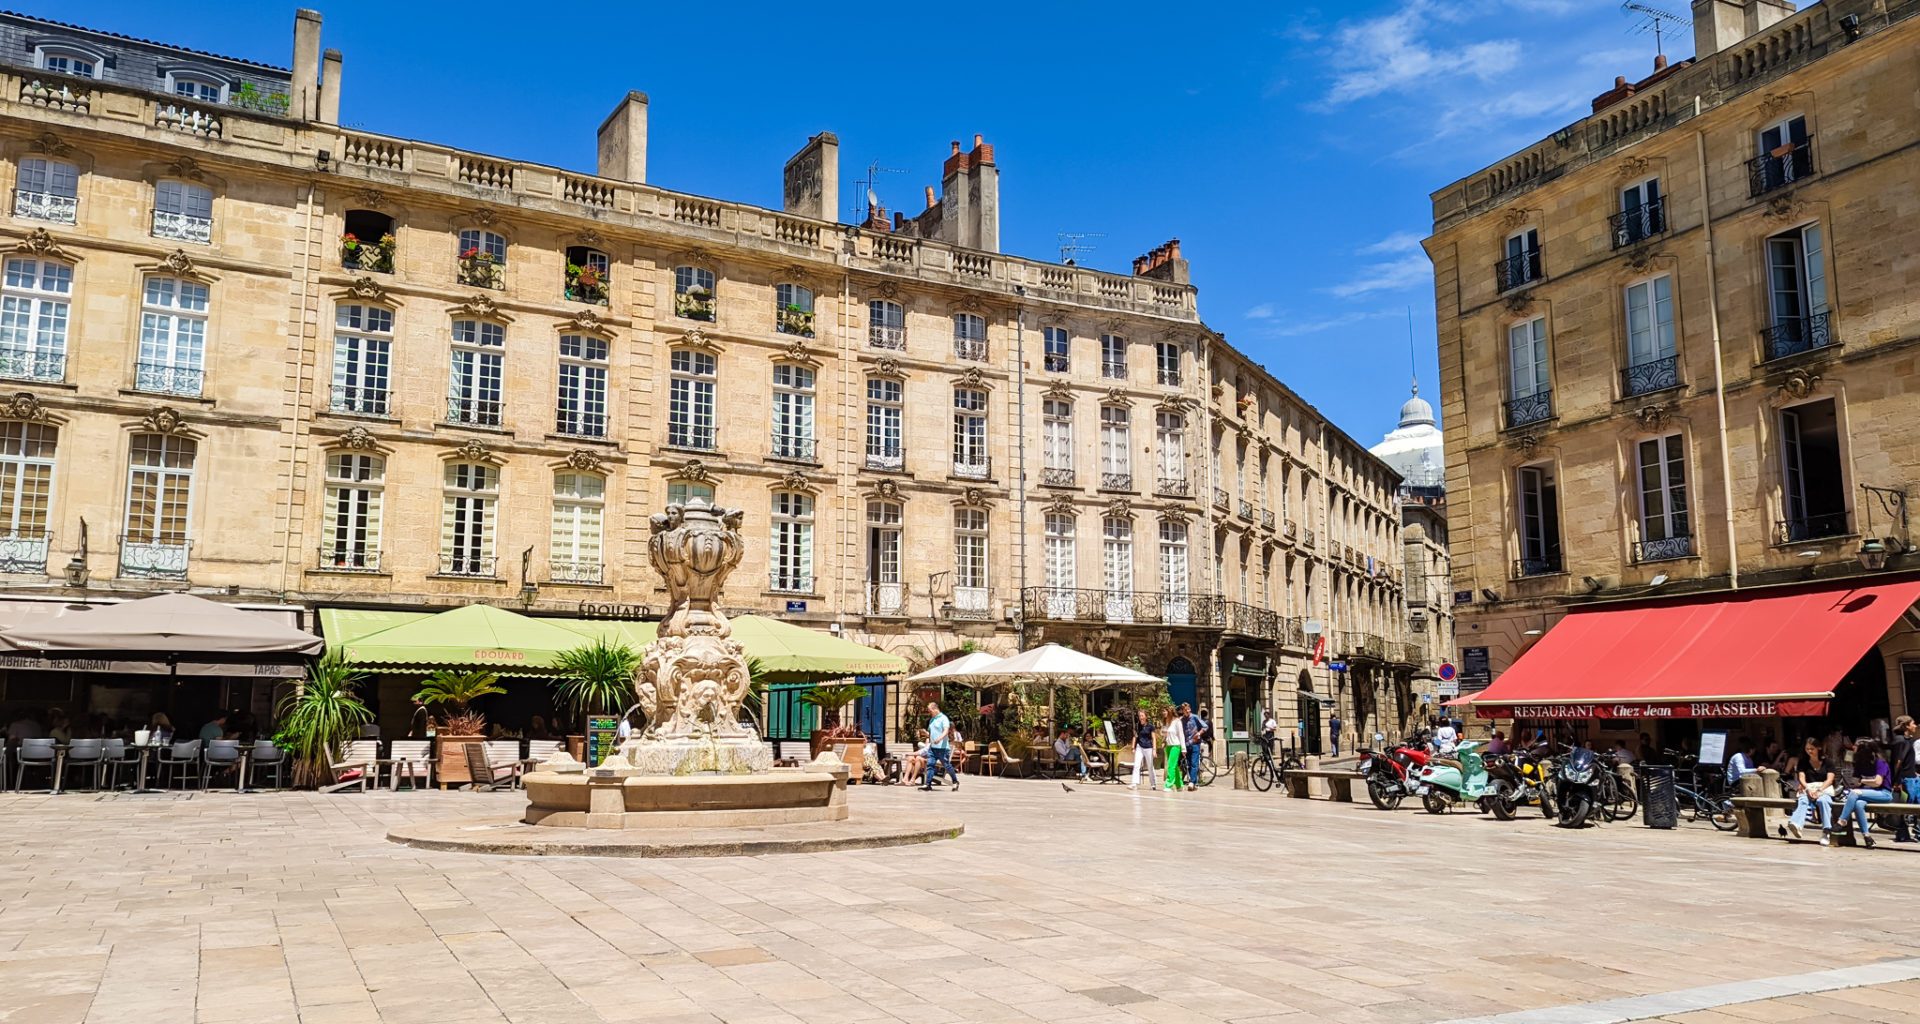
1461,778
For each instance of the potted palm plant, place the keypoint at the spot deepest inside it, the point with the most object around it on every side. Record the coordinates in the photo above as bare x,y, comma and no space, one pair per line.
319,717
832,700
459,724
596,679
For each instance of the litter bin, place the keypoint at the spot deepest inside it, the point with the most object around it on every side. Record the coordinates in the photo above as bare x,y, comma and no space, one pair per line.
1662,806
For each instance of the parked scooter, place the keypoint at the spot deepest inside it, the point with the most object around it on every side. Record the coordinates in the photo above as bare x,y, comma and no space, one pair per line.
1392,777
1461,778
1515,780
1576,787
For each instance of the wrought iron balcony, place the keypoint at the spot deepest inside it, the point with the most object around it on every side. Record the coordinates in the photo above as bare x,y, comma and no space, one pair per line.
1518,269
694,305
887,600
971,604
153,560
1122,607
577,423
1221,499
1245,509
24,550
1648,377
1794,335
1815,527
1172,487
1116,481
36,365
1306,537
1293,632
476,566
372,257
1544,566
1113,370
971,349
1530,408
894,338
791,320
1663,549
481,272
1057,476
698,438
1630,227
473,412
346,556
589,573
45,206
792,447
166,379
1291,531
1266,518
1169,378
1779,169
886,456
587,285
790,581
366,401
1252,620
180,227
1054,362
978,467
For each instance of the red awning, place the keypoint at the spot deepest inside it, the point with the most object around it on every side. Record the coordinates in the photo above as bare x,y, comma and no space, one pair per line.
1723,655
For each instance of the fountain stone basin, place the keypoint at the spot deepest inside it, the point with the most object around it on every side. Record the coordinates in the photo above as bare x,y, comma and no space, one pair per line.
624,799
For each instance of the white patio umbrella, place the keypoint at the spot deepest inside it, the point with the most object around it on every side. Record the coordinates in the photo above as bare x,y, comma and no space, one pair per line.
1054,665
949,672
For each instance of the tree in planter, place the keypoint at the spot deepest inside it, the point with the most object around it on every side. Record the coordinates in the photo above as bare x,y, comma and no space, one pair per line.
597,679
458,690
832,699
319,717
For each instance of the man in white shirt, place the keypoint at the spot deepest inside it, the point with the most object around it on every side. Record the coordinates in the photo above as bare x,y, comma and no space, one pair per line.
1445,738
1740,764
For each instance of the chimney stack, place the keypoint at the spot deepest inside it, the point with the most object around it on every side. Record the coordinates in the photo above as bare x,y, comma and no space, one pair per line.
1163,264
970,198
305,101
1719,24
623,141
330,87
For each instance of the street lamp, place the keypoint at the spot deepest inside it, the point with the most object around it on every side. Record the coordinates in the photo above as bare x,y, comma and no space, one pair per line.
1873,554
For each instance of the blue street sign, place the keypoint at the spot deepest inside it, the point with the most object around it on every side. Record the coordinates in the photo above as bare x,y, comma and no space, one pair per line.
1337,666
796,606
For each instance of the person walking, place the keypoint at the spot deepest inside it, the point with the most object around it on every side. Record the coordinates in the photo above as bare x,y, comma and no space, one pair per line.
1196,730
1175,739
1906,774
1333,727
1142,748
939,749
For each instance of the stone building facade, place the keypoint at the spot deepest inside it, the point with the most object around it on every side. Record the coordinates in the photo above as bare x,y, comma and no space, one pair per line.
1677,338
268,357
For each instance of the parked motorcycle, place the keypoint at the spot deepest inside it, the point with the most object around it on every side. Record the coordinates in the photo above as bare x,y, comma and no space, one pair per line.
1393,776
1461,778
1515,780
1577,787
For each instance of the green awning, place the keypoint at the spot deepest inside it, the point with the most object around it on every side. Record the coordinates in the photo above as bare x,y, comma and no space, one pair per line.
345,625
784,652
477,636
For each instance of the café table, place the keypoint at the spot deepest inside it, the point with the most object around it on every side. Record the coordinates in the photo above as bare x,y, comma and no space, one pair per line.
140,773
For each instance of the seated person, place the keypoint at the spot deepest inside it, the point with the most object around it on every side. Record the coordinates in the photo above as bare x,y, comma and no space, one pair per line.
914,765
1068,752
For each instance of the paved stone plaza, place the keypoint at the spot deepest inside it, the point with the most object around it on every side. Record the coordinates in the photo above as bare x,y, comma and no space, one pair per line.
1096,905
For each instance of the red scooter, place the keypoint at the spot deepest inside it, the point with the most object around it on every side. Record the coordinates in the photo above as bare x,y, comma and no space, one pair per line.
1392,777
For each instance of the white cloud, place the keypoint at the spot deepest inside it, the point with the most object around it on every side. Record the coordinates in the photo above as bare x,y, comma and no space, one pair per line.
1294,329
1399,241
1263,311
1391,53
1387,277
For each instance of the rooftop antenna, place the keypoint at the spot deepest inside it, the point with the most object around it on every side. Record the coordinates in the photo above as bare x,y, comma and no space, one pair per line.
1654,20
1071,244
874,171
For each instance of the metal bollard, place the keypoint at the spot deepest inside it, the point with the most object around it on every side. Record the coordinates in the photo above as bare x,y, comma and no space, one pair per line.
1241,778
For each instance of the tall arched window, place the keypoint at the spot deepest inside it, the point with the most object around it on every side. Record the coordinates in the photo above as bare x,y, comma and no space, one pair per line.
886,325
1170,440
1116,563
886,594
1056,442
970,563
26,489
362,359
1061,569
969,337
791,548
574,553
693,293
33,319
970,461
159,507
469,494
693,376
581,405
885,412
793,310
350,531
173,337
475,372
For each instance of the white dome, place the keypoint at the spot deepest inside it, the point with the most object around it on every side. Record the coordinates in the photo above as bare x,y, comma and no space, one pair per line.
1415,450
1416,412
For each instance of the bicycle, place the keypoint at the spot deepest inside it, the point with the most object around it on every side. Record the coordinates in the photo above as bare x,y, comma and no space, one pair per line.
1717,809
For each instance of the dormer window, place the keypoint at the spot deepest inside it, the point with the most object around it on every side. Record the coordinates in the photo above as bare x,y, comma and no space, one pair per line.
62,61
196,87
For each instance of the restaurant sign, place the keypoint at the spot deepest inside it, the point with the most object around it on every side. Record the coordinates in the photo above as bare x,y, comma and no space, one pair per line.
1662,709
60,662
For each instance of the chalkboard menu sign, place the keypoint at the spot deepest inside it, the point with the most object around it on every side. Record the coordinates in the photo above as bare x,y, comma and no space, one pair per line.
603,732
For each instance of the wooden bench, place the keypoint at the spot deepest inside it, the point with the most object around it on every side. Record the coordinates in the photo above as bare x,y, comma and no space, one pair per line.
1751,813
1339,780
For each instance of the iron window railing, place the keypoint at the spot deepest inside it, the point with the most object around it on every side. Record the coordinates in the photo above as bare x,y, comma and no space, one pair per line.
887,599
33,365
347,557
575,572
793,447
1245,509
973,349
1648,377
1796,334
1169,378
45,206
1054,476
1116,481
1113,369
1663,549
881,336
167,379
473,412
1543,566
24,550
575,423
367,401
1815,527
1055,363
970,604
1266,518
889,456
1518,269
154,560
978,469
782,581
1533,408
1172,486
693,305
480,566
1220,498
1768,172
1122,607
182,228
696,438
1632,226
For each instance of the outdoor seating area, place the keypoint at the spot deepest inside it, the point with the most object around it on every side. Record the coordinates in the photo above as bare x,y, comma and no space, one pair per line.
109,764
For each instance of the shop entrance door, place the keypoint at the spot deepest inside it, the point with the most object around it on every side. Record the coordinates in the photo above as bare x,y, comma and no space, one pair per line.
1309,705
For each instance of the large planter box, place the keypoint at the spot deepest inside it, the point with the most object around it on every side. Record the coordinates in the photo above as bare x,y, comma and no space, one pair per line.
450,759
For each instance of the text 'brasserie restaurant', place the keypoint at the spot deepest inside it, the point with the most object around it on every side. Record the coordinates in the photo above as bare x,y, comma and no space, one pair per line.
1769,664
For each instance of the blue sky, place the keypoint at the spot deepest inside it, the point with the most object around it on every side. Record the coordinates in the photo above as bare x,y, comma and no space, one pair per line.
1290,148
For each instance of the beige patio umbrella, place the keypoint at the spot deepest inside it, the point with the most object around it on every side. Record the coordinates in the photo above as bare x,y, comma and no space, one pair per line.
1052,665
950,672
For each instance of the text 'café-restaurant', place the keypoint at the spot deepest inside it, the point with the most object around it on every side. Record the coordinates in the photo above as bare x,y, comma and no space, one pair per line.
1772,663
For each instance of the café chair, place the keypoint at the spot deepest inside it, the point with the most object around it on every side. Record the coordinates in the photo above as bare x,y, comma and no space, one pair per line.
504,753
37,753
116,757
83,753
485,774
268,756
412,760
220,755
358,765
179,756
